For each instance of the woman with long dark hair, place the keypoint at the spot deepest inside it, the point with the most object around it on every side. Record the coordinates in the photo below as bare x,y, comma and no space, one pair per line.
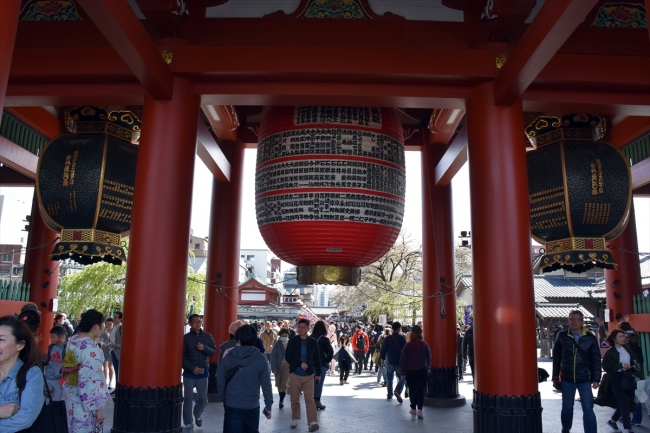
85,391
326,353
619,362
414,365
21,380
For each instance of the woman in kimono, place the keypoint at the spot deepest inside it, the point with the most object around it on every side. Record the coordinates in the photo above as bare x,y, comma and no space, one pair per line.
85,391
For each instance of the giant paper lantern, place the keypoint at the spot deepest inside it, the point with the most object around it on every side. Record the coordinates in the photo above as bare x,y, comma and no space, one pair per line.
84,184
580,192
329,188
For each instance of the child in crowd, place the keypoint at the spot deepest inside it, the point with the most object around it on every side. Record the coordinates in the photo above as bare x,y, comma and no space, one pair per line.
345,358
55,355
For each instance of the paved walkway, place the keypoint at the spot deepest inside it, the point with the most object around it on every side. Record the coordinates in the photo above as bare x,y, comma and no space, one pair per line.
362,406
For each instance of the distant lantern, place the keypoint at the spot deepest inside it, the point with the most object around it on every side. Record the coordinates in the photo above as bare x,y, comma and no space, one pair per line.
580,192
330,188
85,181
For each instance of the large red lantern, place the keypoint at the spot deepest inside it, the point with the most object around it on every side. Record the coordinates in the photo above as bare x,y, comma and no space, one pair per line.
329,188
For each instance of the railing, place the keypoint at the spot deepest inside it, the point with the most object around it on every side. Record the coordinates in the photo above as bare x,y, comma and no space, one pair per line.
14,291
642,306
14,130
638,150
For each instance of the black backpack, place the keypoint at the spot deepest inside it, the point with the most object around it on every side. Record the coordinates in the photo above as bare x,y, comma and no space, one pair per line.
361,342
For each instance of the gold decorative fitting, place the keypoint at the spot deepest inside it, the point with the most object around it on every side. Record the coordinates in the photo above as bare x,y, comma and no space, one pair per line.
500,61
90,235
122,124
167,56
573,244
545,130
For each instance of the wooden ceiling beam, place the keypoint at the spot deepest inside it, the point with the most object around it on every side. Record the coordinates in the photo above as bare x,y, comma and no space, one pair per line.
453,159
597,102
211,154
39,119
117,21
554,23
444,123
628,130
74,94
19,159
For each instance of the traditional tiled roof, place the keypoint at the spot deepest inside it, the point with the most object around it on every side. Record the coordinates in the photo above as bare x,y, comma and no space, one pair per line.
560,311
559,287
645,271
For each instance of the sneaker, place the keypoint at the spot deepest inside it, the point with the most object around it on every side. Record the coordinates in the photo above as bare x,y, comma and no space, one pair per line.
346,382
294,423
189,427
398,397
412,411
613,425
342,382
389,398
199,422
420,414
313,426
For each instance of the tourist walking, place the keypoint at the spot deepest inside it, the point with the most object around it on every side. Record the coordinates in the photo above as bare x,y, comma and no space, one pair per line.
381,371
391,355
360,346
460,362
21,381
269,337
621,364
345,358
326,354
331,335
198,346
104,342
468,349
116,340
304,363
576,359
279,366
244,371
85,391
414,366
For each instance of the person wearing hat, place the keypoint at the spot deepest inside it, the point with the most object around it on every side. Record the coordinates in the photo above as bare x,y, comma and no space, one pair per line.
414,366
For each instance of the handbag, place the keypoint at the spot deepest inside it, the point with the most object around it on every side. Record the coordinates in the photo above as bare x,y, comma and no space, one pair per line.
628,382
53,417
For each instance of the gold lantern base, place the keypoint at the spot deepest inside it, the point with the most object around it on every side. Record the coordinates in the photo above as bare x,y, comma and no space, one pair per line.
576,255
323,274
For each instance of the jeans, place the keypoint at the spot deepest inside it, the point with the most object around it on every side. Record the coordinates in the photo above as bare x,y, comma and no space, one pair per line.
587,402
318,387
638,415
381,373
188,396
268,356
241,420
116,365
390,370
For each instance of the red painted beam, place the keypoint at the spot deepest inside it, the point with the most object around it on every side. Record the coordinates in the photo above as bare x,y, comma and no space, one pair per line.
627,130
453,159
74,94
122,28
629,104
443,125
223,120
18,158
212,155
550,29
39,119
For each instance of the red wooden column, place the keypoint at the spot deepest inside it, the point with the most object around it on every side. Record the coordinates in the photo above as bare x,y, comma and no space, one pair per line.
9,14
221,293
41,272
623,283
148,396
509,400
438,264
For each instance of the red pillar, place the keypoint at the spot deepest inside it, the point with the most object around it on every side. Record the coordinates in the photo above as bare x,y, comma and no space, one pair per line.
623,283
41,272
502,276
149,393
223,247
9,14
438,264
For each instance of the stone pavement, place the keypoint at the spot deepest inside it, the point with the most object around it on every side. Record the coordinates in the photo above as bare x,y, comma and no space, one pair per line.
362,406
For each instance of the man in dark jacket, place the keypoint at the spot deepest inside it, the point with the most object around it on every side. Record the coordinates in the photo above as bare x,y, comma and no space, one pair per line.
304,363
576,360
198,346
391,355
468,348
460,363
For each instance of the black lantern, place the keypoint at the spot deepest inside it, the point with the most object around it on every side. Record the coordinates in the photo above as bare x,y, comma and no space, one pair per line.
580,191
85,184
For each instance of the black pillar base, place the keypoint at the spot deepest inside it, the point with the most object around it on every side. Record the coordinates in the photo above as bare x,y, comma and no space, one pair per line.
148,410
212,384
507,414
442,382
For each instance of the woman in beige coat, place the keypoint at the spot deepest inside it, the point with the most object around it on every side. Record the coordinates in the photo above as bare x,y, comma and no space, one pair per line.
279,366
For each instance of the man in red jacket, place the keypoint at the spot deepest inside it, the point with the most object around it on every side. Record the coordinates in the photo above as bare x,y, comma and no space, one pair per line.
361,346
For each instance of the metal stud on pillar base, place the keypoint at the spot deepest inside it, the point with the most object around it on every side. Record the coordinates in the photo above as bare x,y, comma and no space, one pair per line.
148,410
442,388
507,414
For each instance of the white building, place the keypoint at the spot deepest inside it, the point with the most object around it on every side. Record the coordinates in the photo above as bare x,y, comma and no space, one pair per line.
321,295
262,263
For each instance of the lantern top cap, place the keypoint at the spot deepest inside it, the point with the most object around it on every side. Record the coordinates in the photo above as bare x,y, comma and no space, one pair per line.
545,130
122,124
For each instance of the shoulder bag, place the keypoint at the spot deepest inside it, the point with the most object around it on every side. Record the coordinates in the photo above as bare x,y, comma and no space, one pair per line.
53,417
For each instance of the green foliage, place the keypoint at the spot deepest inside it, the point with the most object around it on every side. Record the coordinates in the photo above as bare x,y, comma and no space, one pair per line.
460,311
101,286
